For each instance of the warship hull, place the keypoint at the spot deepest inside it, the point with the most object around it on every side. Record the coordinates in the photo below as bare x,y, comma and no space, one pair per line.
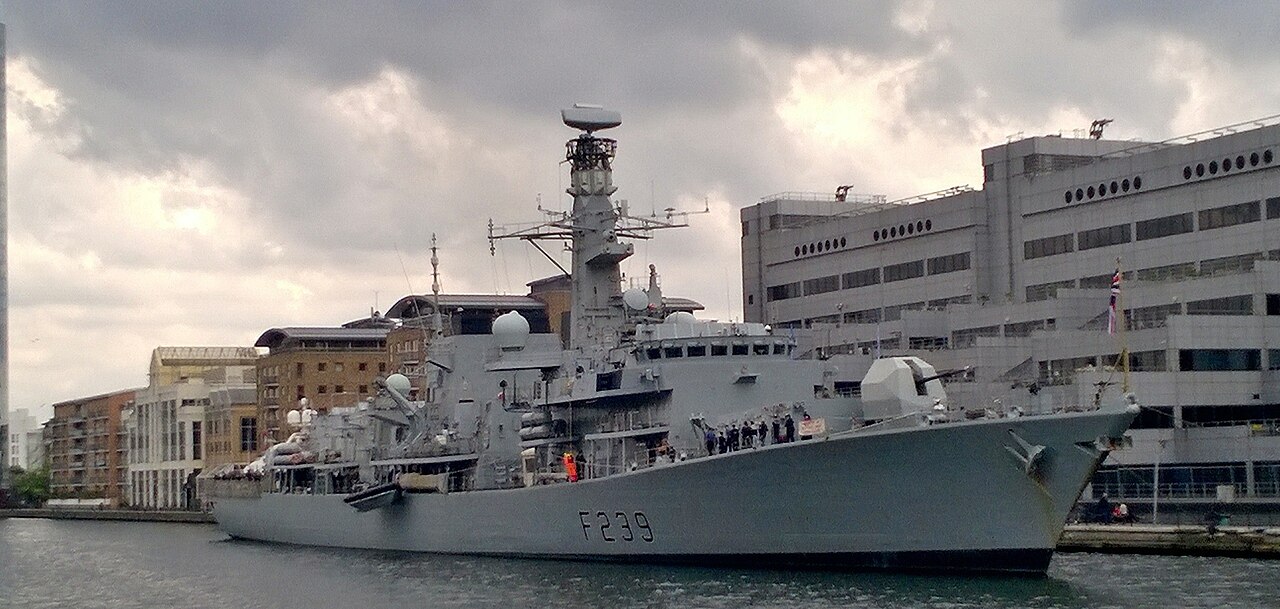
956,497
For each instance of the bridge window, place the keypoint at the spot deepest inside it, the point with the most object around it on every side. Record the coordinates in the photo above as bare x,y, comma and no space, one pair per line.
697,350
719,350
740,350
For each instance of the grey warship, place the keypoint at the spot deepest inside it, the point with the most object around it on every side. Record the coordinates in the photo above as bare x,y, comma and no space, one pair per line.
606,447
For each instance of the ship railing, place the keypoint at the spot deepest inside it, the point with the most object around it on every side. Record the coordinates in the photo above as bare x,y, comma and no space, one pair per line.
1181,490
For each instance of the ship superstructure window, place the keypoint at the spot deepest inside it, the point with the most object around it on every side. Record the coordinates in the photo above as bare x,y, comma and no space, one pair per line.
1204,360
821,285
783,292
719,350
859,279
1048,246
1273,208
1102,237
949,264
1273,304
1163,227
1228,305
740,349
696,350
1230,215
905,270
670,352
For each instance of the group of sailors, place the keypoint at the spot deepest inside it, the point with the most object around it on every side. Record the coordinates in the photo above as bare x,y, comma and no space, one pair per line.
750,434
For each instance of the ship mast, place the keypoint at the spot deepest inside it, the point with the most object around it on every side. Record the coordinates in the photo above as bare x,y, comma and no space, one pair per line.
593,227
437,324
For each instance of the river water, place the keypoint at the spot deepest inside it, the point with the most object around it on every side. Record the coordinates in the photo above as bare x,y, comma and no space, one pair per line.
52,563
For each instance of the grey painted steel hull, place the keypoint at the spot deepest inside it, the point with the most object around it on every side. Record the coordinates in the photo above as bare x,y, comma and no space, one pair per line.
949,497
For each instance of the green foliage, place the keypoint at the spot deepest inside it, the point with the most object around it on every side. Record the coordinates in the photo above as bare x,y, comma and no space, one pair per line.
32,486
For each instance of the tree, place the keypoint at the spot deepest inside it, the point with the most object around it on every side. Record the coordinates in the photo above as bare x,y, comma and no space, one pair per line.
31,486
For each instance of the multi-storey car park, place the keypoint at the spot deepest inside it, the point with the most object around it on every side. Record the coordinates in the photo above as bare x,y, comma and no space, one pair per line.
1014,279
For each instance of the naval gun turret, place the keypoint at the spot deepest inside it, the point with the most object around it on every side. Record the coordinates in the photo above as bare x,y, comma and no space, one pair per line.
897,387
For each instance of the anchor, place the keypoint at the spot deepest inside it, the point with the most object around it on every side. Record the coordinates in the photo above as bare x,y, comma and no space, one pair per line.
1031,456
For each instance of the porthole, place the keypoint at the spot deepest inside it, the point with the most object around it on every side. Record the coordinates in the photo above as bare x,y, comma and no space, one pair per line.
1240,162
875,236
902,230
1226,164
1213,168
1114,187
1079,194
797,250
1066,196
928,224
1266,156
826,245
1253,160
1199,170
893,231
911,229
843,243
919,226
1137,182
1090,192
1186,172
804,249
1124,184
1102,190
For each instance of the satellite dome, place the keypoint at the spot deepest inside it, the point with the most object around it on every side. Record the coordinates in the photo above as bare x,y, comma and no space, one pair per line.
680,317
636,299
511,330
400,383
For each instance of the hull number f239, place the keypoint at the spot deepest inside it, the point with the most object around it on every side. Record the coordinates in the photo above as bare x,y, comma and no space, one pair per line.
613,527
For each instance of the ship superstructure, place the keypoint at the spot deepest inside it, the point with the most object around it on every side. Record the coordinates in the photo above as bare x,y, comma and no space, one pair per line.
655,436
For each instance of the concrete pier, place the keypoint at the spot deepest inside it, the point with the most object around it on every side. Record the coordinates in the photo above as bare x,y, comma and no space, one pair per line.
1182,540
96,514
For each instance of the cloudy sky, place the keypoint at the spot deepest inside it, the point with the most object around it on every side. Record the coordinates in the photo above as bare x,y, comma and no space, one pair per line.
195,173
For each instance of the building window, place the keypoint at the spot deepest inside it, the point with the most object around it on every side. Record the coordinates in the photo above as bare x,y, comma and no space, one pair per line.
1230,215
1157,274
821,285
1102,237
362,366
866,316
322,389
1273,359
783,292
1229,265
364,389
905,270
1273,208
1048,246
1164,227
1229,305
859,279
949,264
1273,304
1202,360
300,368
320,367
382,366
196,441
339,389
1045,291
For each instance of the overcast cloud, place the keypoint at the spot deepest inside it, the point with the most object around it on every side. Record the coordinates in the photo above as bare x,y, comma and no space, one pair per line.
196,173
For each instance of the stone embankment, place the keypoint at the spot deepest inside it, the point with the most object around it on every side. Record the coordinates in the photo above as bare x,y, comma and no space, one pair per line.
105,514
1182,540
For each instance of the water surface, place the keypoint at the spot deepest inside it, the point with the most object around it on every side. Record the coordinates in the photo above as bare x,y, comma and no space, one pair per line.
52,563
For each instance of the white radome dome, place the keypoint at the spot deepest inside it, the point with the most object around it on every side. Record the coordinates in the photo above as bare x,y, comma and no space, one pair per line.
636,299
680,317
511,330
400,383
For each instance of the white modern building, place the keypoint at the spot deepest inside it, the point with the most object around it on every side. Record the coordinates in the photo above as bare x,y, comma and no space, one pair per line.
1014,279
165,423
26,440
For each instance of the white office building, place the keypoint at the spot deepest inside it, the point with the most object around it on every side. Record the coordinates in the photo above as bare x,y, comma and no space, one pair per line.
26,440
1013,279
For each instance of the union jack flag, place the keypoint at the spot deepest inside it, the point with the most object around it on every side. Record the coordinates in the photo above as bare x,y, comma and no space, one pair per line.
1115,295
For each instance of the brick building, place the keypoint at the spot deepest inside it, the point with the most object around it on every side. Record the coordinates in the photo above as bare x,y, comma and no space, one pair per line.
87,446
